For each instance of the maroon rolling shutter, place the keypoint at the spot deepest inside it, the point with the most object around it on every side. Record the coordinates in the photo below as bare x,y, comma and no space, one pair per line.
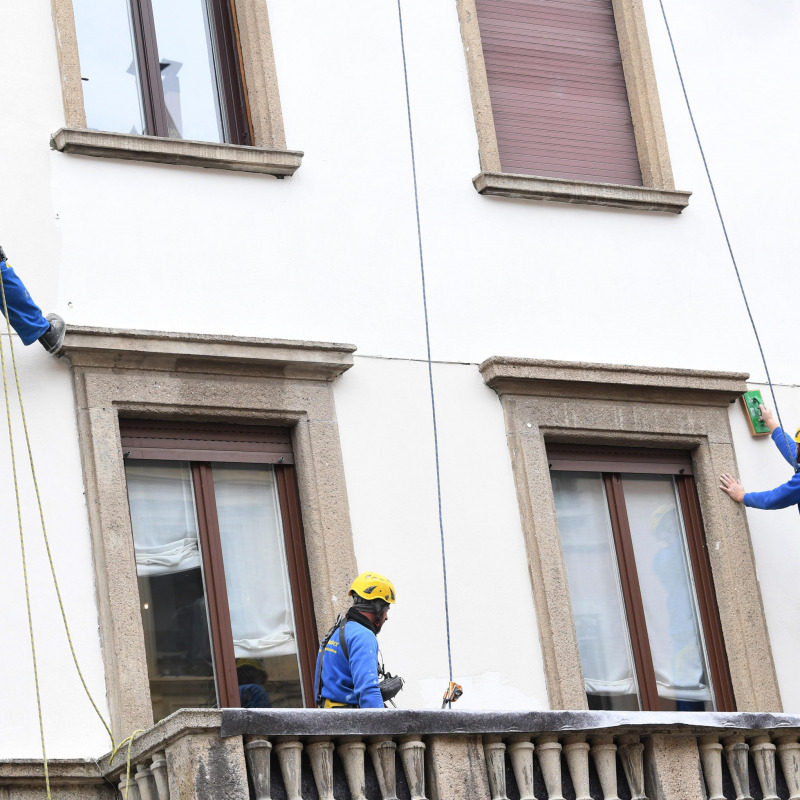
558,91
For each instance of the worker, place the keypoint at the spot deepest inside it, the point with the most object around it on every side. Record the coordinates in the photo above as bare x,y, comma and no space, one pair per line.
788,494
347,664
252,678
25,316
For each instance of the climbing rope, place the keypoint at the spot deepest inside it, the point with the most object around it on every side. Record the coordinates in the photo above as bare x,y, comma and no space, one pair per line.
427,343
789,444
129,739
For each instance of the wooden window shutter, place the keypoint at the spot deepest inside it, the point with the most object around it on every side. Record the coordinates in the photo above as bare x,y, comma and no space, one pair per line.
558,91
193,441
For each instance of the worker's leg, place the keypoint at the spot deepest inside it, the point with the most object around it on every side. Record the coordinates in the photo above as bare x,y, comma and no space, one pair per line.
25,316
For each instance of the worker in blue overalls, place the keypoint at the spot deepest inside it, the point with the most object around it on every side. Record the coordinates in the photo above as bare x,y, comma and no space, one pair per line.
347,673
25,316
785,495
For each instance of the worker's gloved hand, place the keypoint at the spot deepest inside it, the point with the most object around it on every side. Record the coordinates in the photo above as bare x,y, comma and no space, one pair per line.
765,413
2,254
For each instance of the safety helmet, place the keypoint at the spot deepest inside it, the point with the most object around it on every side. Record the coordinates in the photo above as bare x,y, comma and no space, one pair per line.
251,663
797,436
373,586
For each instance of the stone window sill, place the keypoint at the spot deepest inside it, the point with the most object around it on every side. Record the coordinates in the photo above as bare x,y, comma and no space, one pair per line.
182,152
641,198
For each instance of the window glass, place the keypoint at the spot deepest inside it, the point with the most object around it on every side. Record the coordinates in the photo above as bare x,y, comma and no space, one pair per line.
257,579
188,71
109,72
668,595
171,587
587,542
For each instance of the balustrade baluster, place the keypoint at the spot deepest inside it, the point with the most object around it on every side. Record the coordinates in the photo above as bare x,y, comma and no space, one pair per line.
763,752
736,756
257,753
146,783
789,755
576,750
351,750
289,757
604,753
711,759
412,753
548,750
631,751
383,751
159,770
320,753
132,792
520,749
495,751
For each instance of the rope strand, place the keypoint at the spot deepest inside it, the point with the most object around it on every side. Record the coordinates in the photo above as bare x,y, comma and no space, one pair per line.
427,343
789,443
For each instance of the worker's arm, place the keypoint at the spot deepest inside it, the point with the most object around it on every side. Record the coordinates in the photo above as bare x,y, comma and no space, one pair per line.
363,647
784,496
784,442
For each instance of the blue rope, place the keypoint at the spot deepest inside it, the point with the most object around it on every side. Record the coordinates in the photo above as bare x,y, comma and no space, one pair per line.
427,342
789,444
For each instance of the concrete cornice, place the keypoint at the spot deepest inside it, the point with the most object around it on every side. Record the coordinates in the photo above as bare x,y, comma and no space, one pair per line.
525,376
207,353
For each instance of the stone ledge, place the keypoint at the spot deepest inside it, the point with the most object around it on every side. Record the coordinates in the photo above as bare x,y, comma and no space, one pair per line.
186,352
527,376
528,187
181,152
389,722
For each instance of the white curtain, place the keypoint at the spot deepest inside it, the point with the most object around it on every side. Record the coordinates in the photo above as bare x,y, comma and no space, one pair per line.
664,579
163,517
588,546
253,551
668,592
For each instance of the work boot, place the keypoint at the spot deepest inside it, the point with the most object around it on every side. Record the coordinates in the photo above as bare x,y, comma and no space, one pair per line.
53,338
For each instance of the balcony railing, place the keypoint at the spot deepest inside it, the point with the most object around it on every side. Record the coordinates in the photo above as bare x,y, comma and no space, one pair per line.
436,755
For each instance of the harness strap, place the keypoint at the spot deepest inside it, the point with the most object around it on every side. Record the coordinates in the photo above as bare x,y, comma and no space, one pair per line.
341,621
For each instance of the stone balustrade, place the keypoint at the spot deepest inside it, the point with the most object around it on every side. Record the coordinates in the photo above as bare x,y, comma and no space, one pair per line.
436,755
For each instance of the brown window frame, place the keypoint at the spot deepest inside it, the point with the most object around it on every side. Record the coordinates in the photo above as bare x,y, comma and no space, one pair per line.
612,462
165,440
233,97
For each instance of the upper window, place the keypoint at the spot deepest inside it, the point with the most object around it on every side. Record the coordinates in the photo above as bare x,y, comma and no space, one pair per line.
223,583
639,580
557,89
167,68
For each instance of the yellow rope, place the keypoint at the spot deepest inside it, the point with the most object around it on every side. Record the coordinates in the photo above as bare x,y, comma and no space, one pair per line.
129,739
19,521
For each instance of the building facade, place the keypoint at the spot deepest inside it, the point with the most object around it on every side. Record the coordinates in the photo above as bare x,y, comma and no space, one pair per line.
220,200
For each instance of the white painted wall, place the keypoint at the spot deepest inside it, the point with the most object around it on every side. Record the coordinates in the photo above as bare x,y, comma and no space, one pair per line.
331,254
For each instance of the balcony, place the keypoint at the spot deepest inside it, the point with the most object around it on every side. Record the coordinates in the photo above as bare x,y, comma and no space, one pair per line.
447,755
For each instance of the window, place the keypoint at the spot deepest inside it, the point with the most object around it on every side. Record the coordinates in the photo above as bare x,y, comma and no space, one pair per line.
224,590
642,597
165,68
566,105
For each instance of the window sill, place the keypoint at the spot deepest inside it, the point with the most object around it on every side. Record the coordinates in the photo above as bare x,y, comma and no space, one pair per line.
641,198
182,152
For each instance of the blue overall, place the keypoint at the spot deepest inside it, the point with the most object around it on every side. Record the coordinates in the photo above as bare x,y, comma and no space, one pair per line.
25,316
783,496
353,682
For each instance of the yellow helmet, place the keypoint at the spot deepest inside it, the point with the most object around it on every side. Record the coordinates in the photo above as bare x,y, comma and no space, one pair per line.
373,586
797,436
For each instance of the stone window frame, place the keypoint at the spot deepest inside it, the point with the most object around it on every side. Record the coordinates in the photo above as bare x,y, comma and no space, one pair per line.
643,407
658,192
201,378
268,154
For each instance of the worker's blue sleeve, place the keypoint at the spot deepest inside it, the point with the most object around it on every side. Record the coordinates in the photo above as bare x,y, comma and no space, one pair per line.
786,446
363,648
782,497
24,315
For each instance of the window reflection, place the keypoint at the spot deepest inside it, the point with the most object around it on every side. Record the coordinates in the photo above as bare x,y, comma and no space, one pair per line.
188,70
110,79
